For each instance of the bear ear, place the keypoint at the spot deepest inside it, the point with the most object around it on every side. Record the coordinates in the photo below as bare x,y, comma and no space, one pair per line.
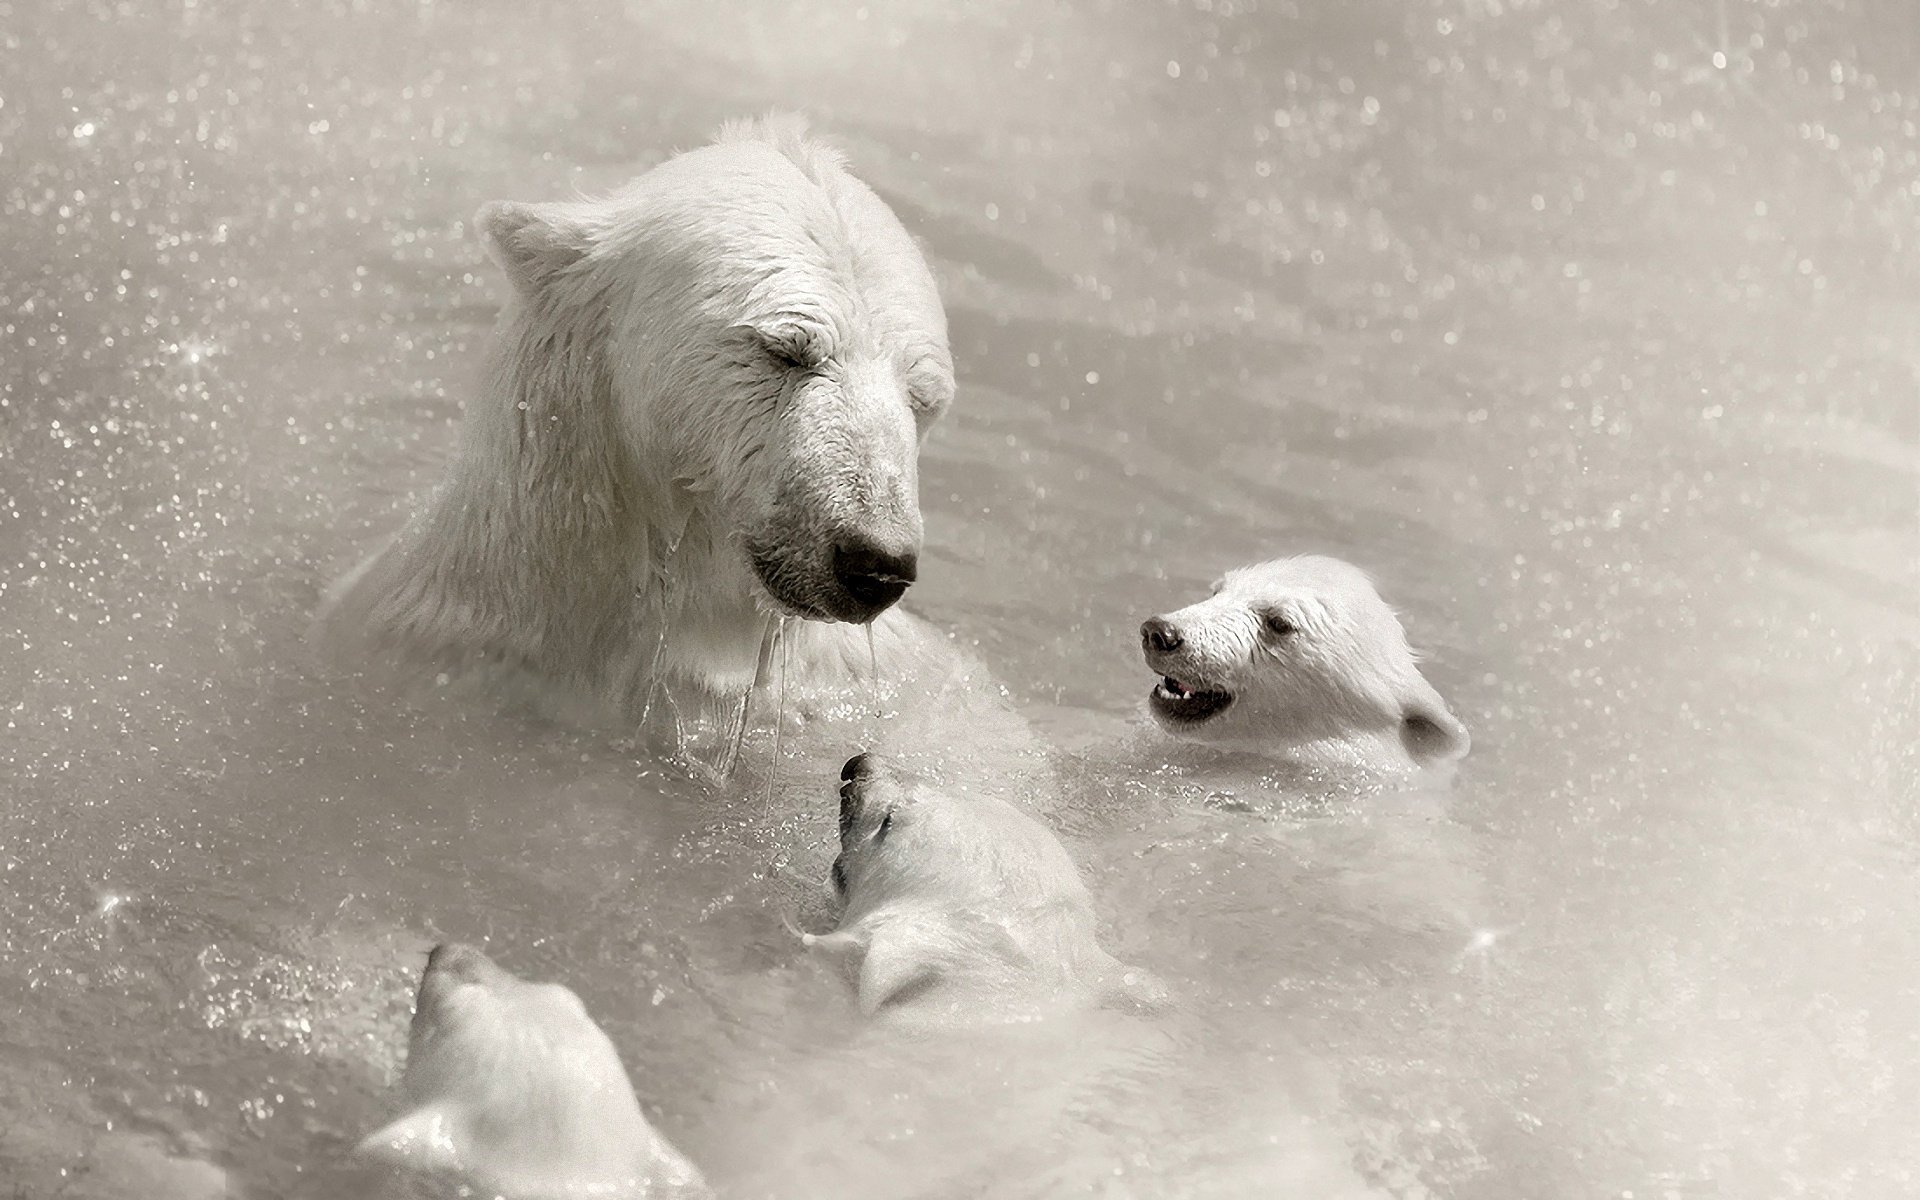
532,243
894,970
842,947
420,1141
1428,729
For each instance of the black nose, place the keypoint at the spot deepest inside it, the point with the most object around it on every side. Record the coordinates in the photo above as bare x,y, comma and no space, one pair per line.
1157,634
857,769
872,574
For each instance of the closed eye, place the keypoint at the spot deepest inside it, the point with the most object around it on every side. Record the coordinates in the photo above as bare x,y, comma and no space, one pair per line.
787,358
791,343
886,823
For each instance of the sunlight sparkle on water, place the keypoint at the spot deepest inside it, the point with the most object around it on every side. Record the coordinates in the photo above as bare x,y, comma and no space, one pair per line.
196,350
1478,951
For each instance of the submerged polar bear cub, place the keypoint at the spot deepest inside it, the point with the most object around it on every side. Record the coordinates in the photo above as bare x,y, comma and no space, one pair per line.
702,413
962,906
1301,656
512,1088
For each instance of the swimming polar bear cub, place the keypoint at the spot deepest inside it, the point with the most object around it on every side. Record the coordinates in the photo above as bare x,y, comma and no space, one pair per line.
962,907
1299,656
512,1088
701,415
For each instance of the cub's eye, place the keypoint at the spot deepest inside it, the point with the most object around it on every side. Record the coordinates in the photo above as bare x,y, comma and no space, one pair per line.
886,823
1278,625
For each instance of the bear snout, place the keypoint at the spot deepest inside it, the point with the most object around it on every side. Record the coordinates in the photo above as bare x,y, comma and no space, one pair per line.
459,961
1160,636
874,575
856,773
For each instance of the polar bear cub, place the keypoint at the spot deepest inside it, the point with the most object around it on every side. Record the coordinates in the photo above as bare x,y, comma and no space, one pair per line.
1299,656
512,1088
962,905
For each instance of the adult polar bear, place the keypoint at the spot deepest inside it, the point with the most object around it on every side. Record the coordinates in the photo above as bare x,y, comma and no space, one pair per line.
701,414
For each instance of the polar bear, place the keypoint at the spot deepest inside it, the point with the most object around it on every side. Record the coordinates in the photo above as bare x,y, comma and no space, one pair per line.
701,418
512,1088
1300,657
961,908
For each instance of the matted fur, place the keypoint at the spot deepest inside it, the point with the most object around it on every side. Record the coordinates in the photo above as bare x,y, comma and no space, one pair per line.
702,384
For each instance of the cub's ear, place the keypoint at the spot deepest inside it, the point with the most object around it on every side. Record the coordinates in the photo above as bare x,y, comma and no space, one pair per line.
532,243
420,1141
887,964
896,968
842,947
1428,729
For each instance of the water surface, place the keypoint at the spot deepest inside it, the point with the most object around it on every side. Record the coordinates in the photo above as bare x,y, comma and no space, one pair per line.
1590,329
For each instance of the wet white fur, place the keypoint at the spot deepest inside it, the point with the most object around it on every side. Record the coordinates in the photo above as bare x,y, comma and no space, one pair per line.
1345,686
511,1087
630,437
967,910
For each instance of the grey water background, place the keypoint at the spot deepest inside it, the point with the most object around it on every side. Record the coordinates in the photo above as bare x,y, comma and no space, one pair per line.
1591,329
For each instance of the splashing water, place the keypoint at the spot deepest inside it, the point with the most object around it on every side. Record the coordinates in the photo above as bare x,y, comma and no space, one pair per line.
783,648
666,591
732,725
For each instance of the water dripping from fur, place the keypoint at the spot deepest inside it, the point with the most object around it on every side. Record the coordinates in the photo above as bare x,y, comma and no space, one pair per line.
873,672
733,736
783,648
667,593
734,721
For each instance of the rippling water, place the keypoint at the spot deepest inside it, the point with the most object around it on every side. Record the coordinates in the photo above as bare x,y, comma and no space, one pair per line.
1591,328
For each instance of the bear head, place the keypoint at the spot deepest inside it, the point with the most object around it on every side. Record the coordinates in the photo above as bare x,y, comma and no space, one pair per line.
1296,651
774,350
510,1085
963,908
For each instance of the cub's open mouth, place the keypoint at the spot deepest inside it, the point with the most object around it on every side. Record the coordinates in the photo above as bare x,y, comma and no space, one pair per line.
1175,701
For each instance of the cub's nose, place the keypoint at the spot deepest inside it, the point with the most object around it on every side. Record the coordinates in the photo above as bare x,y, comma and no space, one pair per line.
858,769
873,575
1158,636
460,961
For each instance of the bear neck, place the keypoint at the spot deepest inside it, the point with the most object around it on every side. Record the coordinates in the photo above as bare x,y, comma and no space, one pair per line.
1373,750
528,556
529,552
1325,733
